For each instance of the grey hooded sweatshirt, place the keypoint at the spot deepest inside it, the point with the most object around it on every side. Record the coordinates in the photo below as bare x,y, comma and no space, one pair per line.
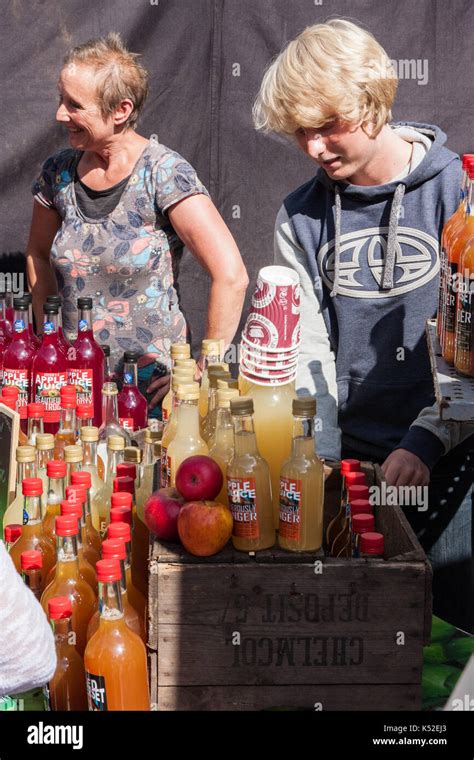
368,260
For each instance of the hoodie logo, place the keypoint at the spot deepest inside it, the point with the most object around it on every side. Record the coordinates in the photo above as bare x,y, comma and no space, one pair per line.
362,258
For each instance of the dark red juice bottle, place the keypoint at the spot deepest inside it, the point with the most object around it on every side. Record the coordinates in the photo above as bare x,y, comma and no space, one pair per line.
18,358
86,370
49,370
36,342
64,344
5,335
132,406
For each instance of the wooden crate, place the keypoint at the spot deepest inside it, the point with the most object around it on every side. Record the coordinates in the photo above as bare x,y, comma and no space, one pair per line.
295,631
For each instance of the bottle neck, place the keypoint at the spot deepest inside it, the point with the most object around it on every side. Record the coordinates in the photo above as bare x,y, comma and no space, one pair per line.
50,328
25,470
44,456
89,453
109,409
56,490
130,376
84,324
148,454
35,427
63,633
33,579
223,424
114,458
66,551
245,441
67,423
21,324
107,369
72,467
188,420
303,436
110,600
32,510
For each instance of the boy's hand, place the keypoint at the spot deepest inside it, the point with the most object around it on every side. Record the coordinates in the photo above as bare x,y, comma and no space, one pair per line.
402,468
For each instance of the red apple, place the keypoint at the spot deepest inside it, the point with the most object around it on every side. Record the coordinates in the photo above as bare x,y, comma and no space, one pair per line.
199,477
161,513
204,527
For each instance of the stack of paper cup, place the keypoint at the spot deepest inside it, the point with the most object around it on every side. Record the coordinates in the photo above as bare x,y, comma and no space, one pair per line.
271,336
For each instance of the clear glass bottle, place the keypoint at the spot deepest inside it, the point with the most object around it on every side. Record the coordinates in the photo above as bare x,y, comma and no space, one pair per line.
67,689
109,377
147,470
74,507
89,441
222,449
248,484
101,501
302,485
25,468
187,441
32,536
35,414
170,429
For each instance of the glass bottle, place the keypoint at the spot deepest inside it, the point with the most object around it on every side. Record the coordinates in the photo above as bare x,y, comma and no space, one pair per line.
372,546
49,371
110,425
72,507
302,485
9,310
55,494
222,449
169,431
132,405
68,581
248,484
177,351
123,532
64,344
32,536
101,501
187,441
90,464
115,549
12,533
336,524
87,366
25,468
66,435
115,659
31,563
35,414
18,358
67,688
73,458
44,454
92,536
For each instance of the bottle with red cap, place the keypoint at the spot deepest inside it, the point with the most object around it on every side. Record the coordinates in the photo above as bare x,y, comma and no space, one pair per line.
32,536
122,531
361,522
352,467
125,482
115,549
12,533
68,581
71,507
92,537
5,334
115,659
18,359
342,544
50,370
132,405
78,493
372,545
31,563
56,472
67,688
36,414
66,434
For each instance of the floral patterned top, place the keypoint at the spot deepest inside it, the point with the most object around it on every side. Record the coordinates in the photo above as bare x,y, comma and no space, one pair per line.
126,262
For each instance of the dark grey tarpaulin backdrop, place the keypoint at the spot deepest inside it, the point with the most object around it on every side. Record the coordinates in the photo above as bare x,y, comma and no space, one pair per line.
206,59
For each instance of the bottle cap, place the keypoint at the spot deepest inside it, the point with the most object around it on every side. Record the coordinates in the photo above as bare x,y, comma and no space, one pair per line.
470,169
363,523
355,479
56,468
304,407
181,379
35,411
9,402
105,348
20,304
32,486
10,390
467,157
27,297
132,455
225,396
31,560
89,434
84,303
372,543
45,441
76,493
241,407
361,506
124,483
109,389
66,525
59,607
50,308
113,548
54,299
227,384
108,570
153,435
68,390
350,465
115,443
85,411
12,532
121,499
188,392
184,364
72,508
130,357
127,468
68,401
121,514
25,453
82,478
218,375
180,349
73,454
211,347
119,530
358,492
157,449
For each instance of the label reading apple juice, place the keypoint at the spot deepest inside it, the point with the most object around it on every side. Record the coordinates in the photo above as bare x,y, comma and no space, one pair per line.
20,378
243,505
47,391
290,509
82,379
96,693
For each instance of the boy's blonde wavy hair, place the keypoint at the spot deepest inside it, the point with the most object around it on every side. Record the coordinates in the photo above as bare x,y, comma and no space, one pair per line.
330,71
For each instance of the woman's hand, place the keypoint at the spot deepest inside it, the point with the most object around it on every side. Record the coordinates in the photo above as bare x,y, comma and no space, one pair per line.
45,223
161,385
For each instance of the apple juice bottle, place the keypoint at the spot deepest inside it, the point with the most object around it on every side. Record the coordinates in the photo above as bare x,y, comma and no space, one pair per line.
87,366
248,484
73,457
187,441
32,571
18,359
49,370
222,449
11,534
302,485
132,405
208,424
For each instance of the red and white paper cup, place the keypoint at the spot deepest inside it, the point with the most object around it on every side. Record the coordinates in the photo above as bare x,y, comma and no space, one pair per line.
274,317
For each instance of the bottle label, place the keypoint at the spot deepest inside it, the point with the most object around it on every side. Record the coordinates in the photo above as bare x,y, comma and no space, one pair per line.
83,380
48,328
48,392
96,693
465,324
127,423
20,378
450,303
127,378
19,325
290,509
243,505
83,326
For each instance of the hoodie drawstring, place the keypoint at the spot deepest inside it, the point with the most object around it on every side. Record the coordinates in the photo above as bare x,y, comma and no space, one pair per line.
337,239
